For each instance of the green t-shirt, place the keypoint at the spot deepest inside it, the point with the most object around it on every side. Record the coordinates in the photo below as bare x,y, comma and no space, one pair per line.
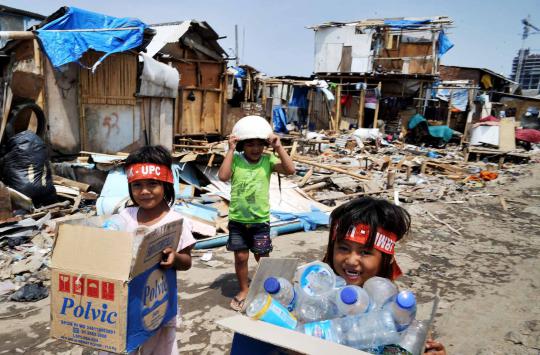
250,185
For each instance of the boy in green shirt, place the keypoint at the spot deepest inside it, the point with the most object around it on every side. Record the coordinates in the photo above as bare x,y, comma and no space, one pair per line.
249,211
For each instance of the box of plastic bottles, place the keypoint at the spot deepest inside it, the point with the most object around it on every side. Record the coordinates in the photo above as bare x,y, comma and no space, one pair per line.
107,289
262,337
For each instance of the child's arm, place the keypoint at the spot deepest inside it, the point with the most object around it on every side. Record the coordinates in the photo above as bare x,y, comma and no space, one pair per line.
286,166
225,171
179,260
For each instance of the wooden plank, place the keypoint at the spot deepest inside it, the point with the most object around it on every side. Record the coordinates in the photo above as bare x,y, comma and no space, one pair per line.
305,178
5,111
361,106
70,183
376,116
507,135
338,108
331,168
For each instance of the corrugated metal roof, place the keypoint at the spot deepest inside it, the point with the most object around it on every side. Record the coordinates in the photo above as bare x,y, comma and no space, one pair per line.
166,34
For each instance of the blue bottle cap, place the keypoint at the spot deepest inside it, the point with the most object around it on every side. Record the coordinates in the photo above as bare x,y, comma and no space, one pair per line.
271,285
406,299
348,295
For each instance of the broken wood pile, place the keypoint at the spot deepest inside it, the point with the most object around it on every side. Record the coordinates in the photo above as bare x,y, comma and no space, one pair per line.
330,170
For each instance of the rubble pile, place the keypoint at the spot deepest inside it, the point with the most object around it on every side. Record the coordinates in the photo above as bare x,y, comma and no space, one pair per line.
331,169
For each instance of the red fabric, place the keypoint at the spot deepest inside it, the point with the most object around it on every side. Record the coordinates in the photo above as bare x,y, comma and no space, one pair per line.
150,171
384,242
528,135
489,119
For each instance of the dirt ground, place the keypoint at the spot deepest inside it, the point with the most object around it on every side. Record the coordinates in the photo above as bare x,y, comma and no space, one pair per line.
488,278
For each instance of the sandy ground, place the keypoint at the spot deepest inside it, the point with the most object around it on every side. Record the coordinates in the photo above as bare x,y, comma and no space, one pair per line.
488,278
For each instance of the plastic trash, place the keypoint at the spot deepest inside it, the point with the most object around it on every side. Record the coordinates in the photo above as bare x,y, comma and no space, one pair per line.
115,222
30,293
281,290
265,308
352,300
403,309
380,290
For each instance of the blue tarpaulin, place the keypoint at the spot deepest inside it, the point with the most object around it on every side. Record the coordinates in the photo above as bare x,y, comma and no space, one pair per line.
406,23
443,132
279,118
309,220
444,43
68,37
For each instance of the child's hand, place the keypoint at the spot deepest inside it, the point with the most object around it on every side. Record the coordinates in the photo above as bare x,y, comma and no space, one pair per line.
274,141
233,140
434,348
168,256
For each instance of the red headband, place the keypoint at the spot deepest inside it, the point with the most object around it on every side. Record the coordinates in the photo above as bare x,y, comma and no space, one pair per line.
385,242
142,171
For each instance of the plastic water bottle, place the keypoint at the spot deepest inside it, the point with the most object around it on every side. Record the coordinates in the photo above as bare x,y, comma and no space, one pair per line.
311,308
403,309
370,330
340,282
413,338
332,329
316,278
352,300
380,290
115,222
265,308
281,290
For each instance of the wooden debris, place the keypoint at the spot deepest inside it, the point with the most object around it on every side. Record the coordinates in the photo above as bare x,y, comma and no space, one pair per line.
443,222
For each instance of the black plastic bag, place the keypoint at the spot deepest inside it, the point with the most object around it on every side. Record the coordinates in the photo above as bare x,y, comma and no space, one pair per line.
26,168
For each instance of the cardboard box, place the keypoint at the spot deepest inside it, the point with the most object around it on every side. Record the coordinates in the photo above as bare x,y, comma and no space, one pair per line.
107,289
261,338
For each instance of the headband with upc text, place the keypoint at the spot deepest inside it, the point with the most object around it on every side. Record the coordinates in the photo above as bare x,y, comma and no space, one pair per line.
143,171
385,242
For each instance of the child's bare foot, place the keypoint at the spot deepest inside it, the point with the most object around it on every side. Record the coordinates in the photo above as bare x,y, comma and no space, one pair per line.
238,301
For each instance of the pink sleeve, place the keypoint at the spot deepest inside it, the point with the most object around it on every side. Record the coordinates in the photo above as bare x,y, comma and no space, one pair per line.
186,239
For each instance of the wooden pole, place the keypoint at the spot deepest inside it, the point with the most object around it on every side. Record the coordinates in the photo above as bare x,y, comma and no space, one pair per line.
338,108
361,105
331,168
449,115
310,109
376,116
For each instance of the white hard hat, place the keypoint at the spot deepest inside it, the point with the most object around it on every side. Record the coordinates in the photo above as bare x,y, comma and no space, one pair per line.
252,127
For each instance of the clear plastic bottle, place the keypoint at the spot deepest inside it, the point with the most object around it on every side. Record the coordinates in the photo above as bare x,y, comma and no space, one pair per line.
413,338
316,278
380,290
312,308
332,329
370,330
403,309
281,290
265,308
352,300
115,222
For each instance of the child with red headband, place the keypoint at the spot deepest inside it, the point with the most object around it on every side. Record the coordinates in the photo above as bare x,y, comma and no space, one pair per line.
151,189
363,234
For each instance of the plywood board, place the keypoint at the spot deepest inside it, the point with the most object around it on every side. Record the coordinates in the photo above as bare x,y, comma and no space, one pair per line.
211,75
507,135
188,74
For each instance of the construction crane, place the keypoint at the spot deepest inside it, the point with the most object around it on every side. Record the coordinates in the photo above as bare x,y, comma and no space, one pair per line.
527,26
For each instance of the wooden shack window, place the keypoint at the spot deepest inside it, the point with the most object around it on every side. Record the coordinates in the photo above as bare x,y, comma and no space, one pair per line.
114,81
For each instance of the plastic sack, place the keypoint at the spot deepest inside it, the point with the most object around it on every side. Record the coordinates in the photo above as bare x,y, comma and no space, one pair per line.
26,168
